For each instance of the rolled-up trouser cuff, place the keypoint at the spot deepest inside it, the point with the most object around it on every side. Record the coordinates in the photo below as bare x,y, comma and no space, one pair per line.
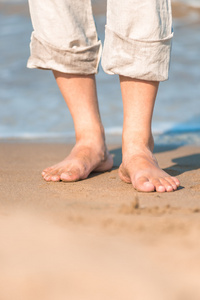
139,59
76,60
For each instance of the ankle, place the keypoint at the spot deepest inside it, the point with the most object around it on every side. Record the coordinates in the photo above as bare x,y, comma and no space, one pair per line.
93,140
95,134
137,142
94,143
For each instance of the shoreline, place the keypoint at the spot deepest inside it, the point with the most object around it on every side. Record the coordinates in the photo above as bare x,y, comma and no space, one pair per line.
173,138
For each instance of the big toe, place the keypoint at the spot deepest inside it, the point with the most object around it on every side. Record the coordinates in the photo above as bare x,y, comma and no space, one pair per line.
143,184
72,175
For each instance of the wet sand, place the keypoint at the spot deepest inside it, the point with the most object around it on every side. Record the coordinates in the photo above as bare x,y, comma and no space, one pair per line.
97,238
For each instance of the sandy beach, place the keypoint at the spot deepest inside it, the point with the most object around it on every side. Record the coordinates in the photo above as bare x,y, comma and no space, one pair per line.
97,238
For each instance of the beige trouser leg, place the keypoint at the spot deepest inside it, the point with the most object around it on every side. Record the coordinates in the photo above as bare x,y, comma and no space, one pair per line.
64,36
137,43
138,39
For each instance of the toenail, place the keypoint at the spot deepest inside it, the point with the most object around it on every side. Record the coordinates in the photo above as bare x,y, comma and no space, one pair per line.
169,188
161,188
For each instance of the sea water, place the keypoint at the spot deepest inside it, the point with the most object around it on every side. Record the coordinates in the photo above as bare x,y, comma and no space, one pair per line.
32,108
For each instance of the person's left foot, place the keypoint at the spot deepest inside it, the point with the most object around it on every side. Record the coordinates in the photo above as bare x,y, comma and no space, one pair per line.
142,170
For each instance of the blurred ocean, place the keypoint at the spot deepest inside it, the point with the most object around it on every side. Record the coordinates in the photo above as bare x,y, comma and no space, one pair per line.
194,3
32,108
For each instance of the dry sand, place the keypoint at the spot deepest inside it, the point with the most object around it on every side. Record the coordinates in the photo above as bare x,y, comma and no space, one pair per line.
97,238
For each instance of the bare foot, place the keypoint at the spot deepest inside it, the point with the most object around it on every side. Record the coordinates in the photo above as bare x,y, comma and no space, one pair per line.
142,170
83,159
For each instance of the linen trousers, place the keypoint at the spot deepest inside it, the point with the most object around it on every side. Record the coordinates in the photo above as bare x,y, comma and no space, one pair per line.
138,37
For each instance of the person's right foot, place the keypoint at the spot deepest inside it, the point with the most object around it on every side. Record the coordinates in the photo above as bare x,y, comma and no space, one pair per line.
85,157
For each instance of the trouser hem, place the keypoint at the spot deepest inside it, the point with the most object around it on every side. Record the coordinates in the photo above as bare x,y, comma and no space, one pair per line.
79,60
139,59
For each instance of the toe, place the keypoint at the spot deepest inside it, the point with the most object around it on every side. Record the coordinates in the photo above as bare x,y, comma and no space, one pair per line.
172,182
55,178
176,181
160,188
167,184
52,174
69,176
46,170
43,173
169,188
47,178
143,184
159,185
